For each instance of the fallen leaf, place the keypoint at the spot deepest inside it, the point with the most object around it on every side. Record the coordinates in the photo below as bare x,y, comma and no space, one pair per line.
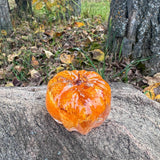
18,68
39,5
49,33
90,39
12,56
100,28
157,98
41,29
16,82
157,75
58,34
48,53
98,55
3,32
20,50
9,84
102,36
93,30
34,74
10,40
36,78
49,4
45,38
85,32
68,28
152,91
25,37
67,59
34,62
34,1
34,49
154,79
79,24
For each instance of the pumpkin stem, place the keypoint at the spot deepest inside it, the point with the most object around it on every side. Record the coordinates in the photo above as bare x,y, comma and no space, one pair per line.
78,81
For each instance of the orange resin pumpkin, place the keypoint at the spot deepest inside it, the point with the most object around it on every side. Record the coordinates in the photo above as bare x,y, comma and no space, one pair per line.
80,100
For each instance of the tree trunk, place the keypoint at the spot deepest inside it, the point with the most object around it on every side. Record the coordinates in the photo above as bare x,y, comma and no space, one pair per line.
75,7
5,22
68,8
24,6
136,25
28,132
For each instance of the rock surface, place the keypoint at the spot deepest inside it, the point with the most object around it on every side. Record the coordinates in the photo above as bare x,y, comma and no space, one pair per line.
28,132
136,24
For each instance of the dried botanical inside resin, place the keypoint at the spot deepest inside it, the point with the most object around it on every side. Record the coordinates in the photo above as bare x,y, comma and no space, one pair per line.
80,100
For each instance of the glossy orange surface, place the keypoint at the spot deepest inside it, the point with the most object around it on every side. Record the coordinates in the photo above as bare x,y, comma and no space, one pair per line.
80,100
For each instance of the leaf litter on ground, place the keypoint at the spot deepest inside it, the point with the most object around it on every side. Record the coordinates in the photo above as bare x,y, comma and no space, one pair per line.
35,52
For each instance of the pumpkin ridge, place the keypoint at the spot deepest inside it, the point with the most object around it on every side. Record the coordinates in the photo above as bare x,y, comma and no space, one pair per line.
80,100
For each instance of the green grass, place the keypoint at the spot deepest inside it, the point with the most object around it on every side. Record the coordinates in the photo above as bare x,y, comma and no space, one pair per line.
92,8
89,8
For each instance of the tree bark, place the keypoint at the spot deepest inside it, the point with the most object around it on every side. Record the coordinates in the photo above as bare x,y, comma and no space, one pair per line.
24,6
136,25
28,132
5,22
69,8
76,7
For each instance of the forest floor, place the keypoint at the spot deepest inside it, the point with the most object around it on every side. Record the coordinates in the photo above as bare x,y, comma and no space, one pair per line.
40,47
